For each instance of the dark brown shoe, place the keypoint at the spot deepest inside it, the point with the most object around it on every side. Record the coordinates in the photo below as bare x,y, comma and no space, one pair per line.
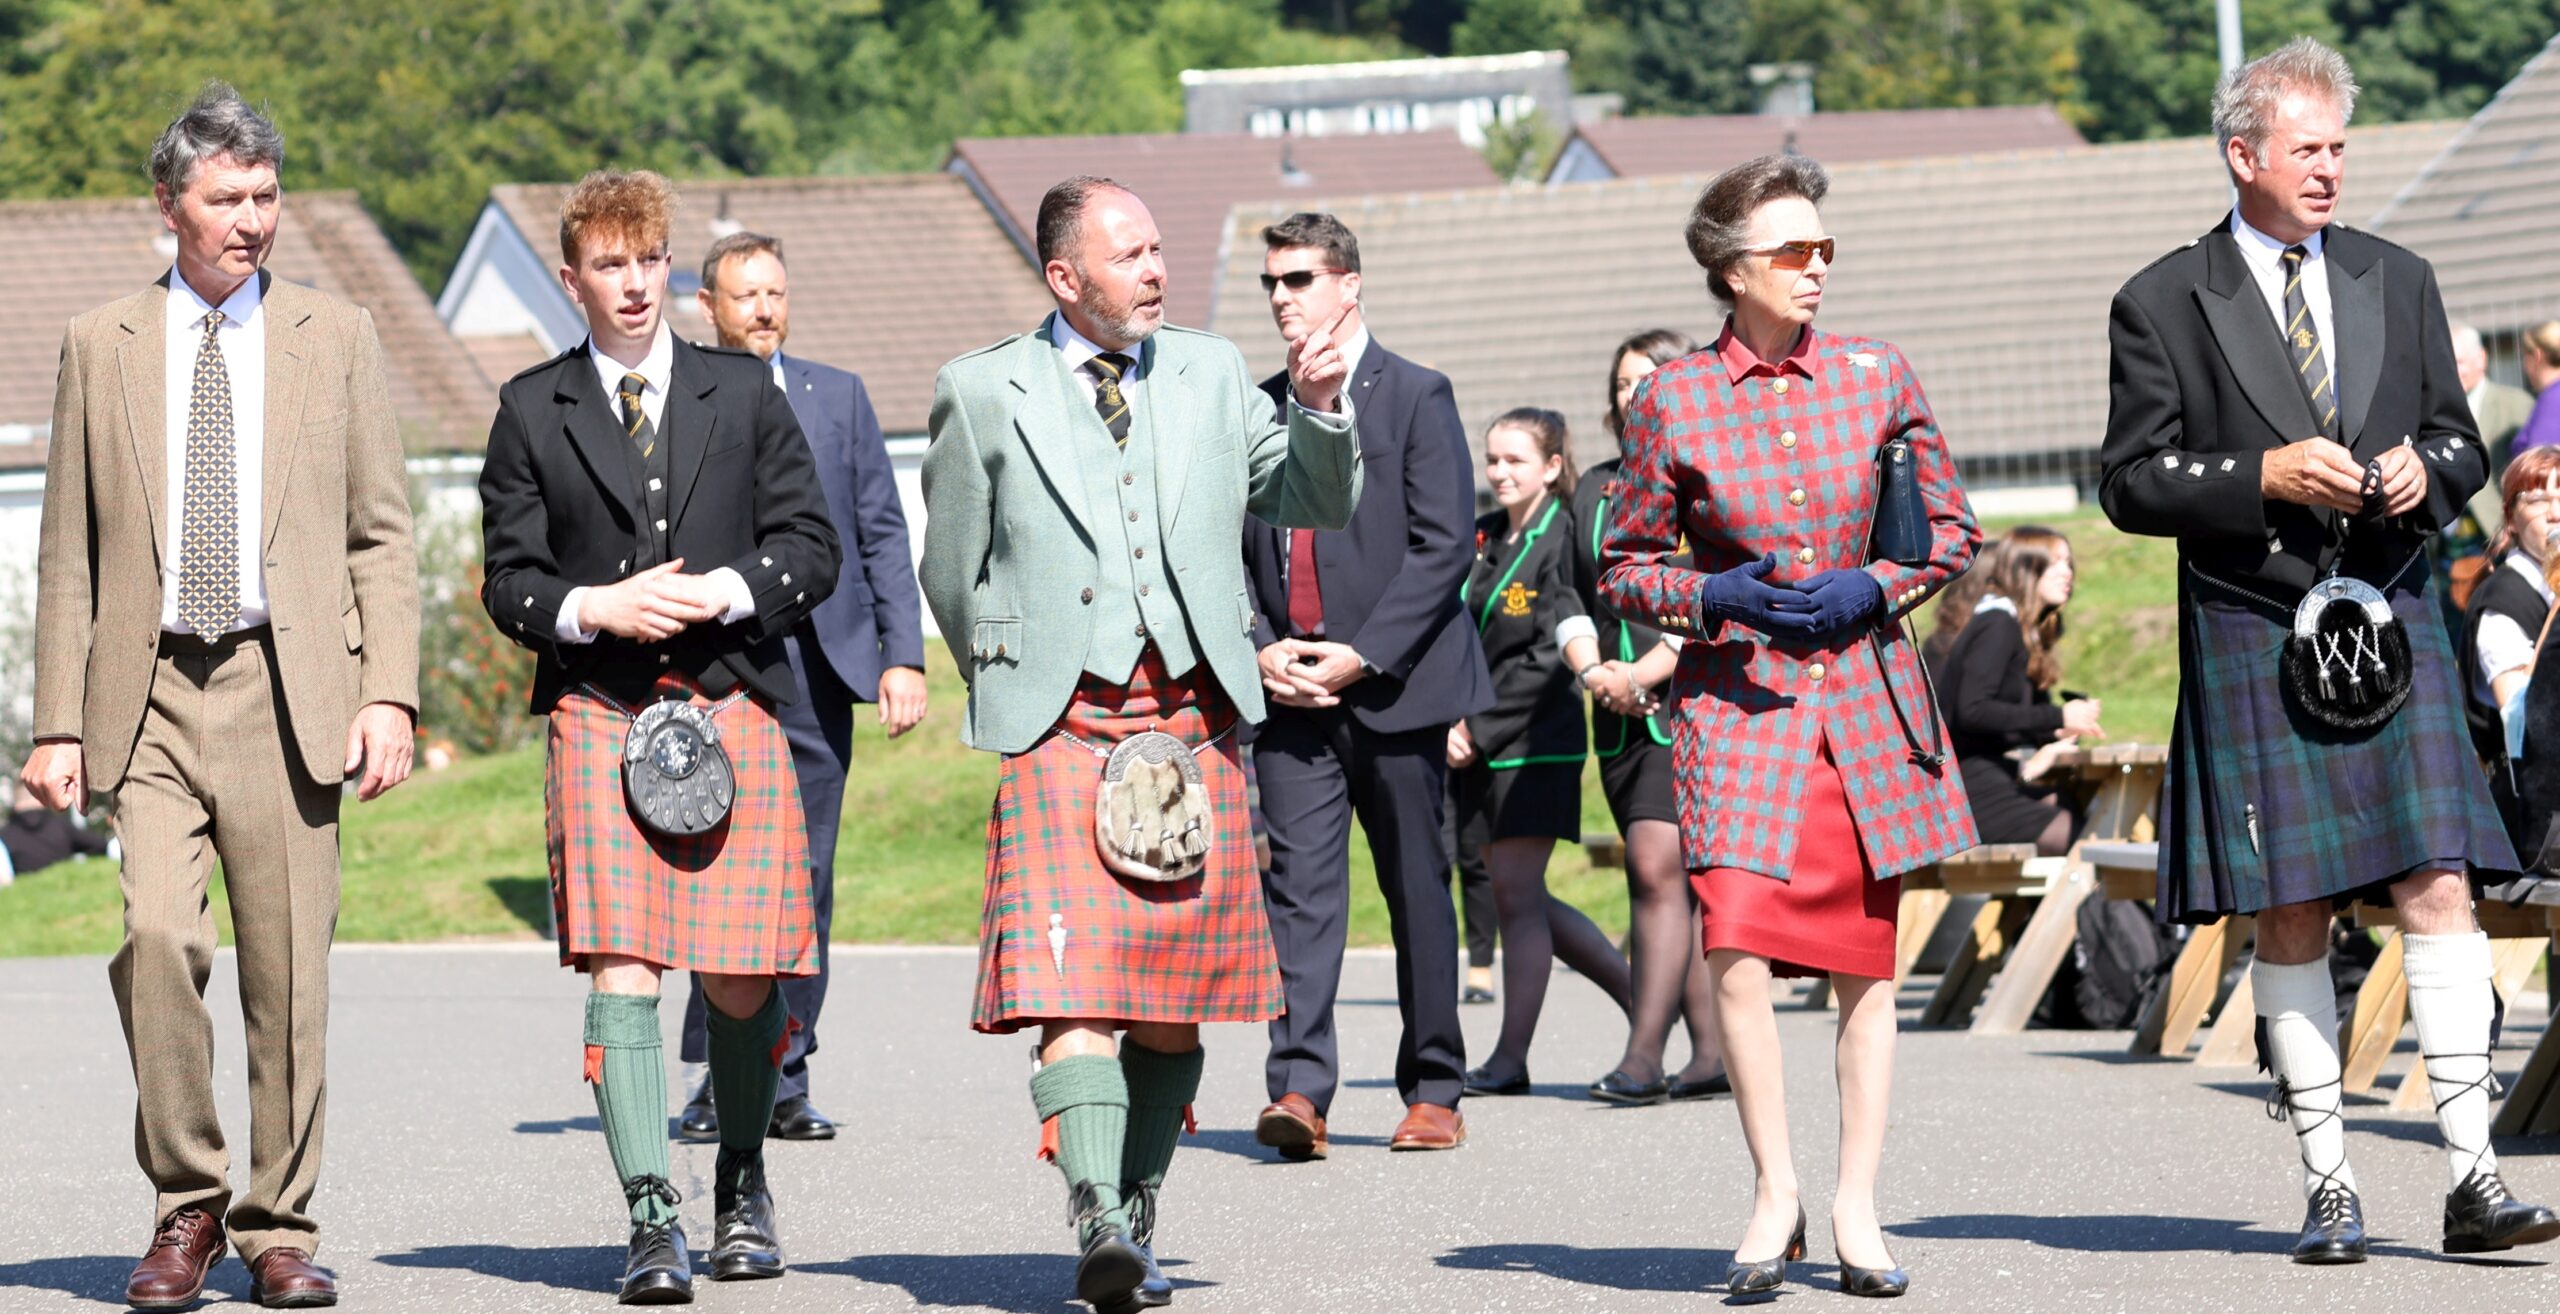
171,1275
1430,1127
1291,1125
282,1277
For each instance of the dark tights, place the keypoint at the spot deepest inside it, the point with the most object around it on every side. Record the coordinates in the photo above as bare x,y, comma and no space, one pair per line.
1538,928
2055,839
1670,972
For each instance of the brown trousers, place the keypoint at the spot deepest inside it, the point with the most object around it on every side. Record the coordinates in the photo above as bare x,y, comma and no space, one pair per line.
214,776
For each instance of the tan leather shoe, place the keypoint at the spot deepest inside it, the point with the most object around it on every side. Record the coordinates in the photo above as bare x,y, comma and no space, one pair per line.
1291,1125
1430,1127
282,1277
187,1245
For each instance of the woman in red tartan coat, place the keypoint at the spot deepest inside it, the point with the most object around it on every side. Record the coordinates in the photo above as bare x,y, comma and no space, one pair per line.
1798,702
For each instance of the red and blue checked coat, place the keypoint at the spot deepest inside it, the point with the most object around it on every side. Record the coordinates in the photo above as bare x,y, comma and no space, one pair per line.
1741,457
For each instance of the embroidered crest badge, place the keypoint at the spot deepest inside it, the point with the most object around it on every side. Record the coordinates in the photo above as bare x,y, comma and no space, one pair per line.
1515,599
2302,339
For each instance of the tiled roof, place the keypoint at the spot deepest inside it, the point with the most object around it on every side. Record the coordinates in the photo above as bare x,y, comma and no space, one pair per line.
326,242
2484,210
1704,144
1191,181
1993,273
890,276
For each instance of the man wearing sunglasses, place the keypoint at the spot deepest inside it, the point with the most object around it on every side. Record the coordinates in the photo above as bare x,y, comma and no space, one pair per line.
1366,666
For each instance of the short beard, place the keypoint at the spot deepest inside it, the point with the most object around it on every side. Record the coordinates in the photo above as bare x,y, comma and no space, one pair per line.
1119,322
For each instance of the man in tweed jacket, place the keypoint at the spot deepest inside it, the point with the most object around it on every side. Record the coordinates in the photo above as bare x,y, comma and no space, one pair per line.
2285,403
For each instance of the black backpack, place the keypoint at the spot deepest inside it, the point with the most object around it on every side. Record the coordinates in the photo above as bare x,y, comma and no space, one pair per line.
2120,963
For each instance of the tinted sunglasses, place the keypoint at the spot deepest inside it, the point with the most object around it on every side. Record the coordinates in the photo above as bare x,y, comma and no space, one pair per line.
1298,280
1798,254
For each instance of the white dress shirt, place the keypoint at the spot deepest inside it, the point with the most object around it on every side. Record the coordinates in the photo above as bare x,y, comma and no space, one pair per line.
655,369
1078,349
779,380
242,340
2504,646
2266,261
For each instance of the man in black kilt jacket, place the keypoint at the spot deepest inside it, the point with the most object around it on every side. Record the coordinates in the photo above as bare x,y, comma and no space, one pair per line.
2284,402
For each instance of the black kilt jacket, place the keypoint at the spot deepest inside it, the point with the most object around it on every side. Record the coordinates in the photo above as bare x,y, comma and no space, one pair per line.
2265,805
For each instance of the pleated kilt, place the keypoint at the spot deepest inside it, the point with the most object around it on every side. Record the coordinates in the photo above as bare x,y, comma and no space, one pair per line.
2265,806
736,899
1130,951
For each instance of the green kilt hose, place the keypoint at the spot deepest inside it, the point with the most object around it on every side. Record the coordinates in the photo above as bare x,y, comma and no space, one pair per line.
2266,806
1132,951
735,899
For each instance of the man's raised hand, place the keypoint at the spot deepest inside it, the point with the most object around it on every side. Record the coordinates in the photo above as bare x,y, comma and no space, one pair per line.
1316,366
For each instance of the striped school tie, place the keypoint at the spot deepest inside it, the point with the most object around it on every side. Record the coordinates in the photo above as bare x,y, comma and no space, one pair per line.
635,417
1107,370
2302,338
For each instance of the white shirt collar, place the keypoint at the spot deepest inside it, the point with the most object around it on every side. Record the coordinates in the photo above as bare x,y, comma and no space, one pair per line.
2266,251
1078,348
656,368
2523,561
1994,602
187,310
780,380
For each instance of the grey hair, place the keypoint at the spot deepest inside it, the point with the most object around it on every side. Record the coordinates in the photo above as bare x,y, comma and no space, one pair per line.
2244,105
219,122
1719,232
2467,341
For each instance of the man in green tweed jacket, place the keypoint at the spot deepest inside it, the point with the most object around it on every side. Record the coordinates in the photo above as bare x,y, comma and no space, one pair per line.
1085,497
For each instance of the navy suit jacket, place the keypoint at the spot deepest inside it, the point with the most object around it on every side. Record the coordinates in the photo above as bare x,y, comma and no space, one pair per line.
874,619
1390,578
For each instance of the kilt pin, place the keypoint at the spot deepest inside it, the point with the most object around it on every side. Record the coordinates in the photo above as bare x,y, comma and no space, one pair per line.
1743,458
733,899
1061,936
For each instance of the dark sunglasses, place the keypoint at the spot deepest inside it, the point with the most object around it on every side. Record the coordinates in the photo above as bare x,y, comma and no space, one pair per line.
1798,254
1299,280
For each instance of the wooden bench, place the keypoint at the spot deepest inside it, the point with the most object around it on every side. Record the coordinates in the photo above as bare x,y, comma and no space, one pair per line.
2520,918
2009,877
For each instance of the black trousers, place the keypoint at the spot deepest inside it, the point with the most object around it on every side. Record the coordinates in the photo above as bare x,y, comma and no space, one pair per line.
1319,768
820,728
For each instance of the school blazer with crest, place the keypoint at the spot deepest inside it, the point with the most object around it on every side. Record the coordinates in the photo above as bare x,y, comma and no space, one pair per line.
341,573
1009,552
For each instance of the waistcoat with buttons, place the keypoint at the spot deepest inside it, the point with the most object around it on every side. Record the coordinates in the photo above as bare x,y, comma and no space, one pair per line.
1133,604
625,668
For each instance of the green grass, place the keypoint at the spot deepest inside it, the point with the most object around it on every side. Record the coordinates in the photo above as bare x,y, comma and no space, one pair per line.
458,855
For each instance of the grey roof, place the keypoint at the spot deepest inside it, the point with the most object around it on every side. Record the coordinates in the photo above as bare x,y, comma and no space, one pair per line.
1646,146
1992,272
2483,212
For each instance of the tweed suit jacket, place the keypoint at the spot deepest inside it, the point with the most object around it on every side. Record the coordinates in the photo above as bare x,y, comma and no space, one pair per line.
1010,555
341,574
1782,460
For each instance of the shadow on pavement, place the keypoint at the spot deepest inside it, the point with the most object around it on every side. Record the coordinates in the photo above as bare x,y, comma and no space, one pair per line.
1240,1143
556,1126
570,1268
1016,1284
1617,1268
102,1277
2130,1234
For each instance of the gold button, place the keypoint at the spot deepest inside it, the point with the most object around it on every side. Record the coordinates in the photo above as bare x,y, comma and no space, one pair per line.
1805,555
1814,671
1787,439
1781,386
1796,498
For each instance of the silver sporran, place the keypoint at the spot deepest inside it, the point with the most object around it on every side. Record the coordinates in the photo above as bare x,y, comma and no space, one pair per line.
1152,819
675,774
2347,661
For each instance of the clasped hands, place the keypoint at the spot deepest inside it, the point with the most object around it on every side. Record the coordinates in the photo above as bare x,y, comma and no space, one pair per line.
1822,606
1308,672
658,603
2318,472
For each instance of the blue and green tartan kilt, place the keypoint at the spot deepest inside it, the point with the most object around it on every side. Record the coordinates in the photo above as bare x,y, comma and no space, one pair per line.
2265,806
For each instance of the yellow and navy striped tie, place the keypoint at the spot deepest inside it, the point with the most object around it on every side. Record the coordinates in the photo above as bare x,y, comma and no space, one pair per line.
635,417
1107,370
209,537
2302,338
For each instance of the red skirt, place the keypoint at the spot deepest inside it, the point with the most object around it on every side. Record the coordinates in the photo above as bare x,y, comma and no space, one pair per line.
1127,951
1829,915
736,899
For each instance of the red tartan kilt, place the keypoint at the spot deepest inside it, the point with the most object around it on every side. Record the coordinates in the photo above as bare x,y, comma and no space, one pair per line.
1135,951
736,899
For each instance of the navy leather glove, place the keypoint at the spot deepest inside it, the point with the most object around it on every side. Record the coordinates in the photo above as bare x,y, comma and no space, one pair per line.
1843,599
1740,594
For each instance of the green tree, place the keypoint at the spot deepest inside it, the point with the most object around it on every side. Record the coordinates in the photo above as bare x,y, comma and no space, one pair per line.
1687,56
2420,59
1502,27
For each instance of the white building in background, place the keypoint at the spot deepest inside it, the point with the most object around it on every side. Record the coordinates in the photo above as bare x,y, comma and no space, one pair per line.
1468,94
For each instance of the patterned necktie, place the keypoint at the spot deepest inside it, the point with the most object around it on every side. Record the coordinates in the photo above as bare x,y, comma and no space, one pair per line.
635,417
209,539
2302,338
1107,370
1306,596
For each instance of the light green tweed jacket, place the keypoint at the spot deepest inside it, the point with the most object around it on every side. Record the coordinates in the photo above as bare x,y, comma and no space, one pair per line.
1039,531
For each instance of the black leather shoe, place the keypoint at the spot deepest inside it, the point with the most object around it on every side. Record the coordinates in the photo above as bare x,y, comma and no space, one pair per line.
1155,1290
2333,1228
2481,1216
1710,1088
659,1270
699,1122
1112,1267
795,1120
743,1244
1619,1088
1880,1283
1755,1276
1479,1082
1475,994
